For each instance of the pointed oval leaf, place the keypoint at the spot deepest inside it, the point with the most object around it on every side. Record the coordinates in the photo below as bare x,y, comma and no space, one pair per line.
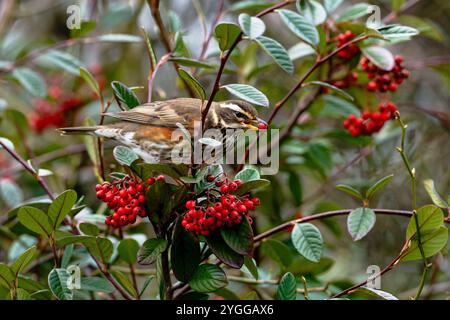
380,184
61,207
125,94
432,243
226,35
332,5
125,282
253,27
434,194
312,10
378,293
184,253
223,251
35,220
350,190
6,276
248,186
380,57
128,249
360,222
208,278
248,93
247,174
193,83
308,241
96,284
429,218
61,59
89,229
31,81
150,250
287,288
24,260
277,52
239,238
90,80
354,12
300,26
57,282
300,50
393,32
124,155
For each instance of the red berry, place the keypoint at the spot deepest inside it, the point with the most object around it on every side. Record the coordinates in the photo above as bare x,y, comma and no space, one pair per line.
190,204
372,86
262,126
150,181
256,201
160,178
224,189
210,178
100,194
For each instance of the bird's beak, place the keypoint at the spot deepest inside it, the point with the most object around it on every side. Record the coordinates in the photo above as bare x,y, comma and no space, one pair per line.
256,124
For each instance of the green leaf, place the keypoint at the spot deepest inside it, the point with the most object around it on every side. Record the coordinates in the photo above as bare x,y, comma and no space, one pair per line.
253,27
300,50
60,59
193,83
150,250
24,260
312,10
300,26
68,251
395,31
124,155
89,229
434,194
158,197
22,294
239,238
208,278
337,107
100,248
184,253
287,288
146,284
31,81
248,174
10,192
128,249
226,35
6,276
248,93
223,251
426,27
250,265
125,94
150,50
90,80
330,86
96,284
432,243
278,251
61,207
380,56
124,282
192,63
35,220
383,295
248,186
332,5
397,4
360,221
354,12
429,219
277,52
295,187
380,184
57,282
350,190
250,5
308,241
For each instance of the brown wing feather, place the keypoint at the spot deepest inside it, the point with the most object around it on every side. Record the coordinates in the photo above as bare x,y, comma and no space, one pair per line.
163,113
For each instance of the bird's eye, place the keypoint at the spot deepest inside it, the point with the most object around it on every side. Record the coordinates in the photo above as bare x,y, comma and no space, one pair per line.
241,115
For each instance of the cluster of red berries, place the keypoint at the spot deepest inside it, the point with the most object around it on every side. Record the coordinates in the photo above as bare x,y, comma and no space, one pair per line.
46,115
351,50
383,80
224,210
126,198
370,122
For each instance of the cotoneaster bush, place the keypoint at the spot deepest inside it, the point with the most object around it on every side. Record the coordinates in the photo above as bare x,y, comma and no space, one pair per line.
138,230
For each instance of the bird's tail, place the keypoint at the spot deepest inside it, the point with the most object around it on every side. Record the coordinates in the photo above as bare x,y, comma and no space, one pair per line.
78,130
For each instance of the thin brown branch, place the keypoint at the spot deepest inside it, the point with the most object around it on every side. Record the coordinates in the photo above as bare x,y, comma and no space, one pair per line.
393,15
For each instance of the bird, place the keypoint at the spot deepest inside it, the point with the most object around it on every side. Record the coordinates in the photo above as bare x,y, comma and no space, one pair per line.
147,129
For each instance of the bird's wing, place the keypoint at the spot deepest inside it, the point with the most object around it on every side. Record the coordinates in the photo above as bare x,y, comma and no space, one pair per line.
163,113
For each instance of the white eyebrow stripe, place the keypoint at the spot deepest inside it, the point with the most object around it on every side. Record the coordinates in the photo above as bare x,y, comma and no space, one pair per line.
231,106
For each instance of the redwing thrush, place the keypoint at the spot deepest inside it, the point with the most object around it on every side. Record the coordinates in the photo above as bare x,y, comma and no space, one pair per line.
147,129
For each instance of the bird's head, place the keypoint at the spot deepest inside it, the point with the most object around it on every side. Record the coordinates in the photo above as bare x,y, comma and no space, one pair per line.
237,114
